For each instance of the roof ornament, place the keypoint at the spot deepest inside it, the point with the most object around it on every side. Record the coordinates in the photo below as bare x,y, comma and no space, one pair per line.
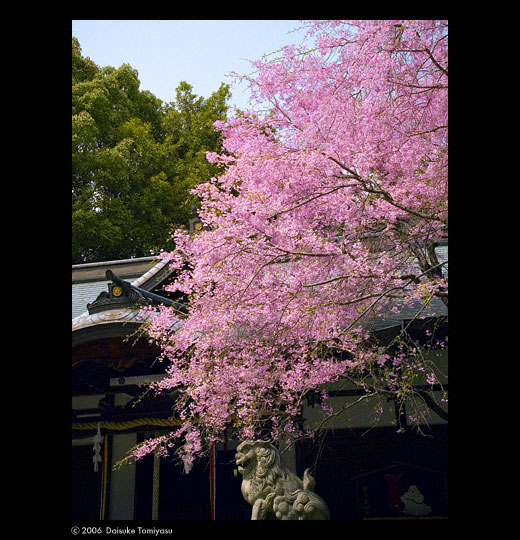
122,293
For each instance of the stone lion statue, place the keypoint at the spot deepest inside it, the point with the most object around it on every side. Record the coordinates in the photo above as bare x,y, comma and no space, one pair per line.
271,488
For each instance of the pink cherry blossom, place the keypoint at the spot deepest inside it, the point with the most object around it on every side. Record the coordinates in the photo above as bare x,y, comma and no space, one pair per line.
330,204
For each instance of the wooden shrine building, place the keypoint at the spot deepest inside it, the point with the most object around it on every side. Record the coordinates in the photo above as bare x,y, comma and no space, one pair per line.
362,471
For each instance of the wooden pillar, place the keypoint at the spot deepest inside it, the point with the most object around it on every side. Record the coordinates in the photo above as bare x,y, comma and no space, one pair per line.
155,486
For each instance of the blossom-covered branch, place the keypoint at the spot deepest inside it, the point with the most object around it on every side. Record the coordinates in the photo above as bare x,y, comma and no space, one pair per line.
330,207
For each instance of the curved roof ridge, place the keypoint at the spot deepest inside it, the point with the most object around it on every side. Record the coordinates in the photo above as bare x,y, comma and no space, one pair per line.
115,261
150,273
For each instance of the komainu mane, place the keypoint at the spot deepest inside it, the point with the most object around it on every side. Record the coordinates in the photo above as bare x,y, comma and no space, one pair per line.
271,488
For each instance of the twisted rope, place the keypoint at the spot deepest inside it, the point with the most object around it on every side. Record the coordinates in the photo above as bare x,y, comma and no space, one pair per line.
129,423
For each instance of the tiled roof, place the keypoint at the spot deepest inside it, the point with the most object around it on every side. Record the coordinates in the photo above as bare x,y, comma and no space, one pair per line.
89,280
85,293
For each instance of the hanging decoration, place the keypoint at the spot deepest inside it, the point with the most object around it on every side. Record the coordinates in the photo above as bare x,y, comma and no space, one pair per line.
96,458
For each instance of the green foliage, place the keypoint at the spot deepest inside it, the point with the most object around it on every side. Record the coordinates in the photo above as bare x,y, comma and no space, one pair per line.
134,160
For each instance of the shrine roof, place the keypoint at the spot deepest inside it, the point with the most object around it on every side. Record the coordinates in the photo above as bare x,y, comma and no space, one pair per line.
89,280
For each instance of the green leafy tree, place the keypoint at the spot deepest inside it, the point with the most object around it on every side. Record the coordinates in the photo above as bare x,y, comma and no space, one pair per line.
134,159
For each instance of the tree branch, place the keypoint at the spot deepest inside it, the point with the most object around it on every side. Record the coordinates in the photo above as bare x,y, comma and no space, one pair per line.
386,196
432,404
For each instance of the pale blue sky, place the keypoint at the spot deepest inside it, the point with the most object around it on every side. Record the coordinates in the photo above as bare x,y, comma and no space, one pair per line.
200,52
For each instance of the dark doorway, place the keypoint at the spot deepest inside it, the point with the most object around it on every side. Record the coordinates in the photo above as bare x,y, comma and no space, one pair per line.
229,501
187,496
86,485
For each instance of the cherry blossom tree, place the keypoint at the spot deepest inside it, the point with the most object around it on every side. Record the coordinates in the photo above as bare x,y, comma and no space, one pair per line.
332,199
